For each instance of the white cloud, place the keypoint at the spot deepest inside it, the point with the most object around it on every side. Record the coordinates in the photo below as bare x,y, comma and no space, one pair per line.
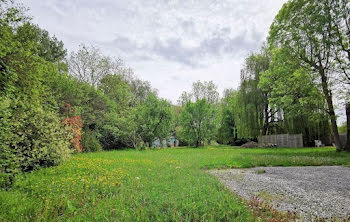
171,43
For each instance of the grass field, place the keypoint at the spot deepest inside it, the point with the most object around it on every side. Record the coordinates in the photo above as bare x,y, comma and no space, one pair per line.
152,185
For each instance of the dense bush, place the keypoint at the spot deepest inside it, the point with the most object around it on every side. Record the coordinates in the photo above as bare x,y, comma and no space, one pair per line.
31,138
90,142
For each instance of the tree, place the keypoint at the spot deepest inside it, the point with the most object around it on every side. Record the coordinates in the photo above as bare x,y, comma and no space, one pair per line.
154,119
348,126
121,131
89,65
292,92
339,19
141,89
304,27
253,112
185,97
31,132
199,107
227,132
118,90
47,47
205,90
197,122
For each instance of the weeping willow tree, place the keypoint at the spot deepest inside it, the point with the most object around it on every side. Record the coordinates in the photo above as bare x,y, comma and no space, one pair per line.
227,131
252,109
278,95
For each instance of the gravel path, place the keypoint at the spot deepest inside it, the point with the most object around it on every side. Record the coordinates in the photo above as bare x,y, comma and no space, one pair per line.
322,192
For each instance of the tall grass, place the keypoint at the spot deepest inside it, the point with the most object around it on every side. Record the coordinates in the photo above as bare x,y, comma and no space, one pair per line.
152,185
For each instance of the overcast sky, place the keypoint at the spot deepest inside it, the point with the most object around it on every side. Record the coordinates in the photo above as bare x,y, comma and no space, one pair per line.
170,43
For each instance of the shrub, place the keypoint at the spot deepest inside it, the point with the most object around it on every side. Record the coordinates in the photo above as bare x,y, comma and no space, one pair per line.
5,180
90,142
30,138
75,124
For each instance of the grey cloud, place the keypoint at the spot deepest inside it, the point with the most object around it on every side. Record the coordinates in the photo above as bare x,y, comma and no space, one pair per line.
173,49
175,78
189,27
125,44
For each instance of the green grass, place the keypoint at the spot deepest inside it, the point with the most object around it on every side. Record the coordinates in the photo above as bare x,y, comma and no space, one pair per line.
153,185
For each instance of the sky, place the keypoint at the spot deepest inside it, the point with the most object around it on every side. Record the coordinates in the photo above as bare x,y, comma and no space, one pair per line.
171,43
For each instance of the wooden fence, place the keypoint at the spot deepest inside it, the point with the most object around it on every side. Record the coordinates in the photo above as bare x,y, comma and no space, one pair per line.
282,140
343,138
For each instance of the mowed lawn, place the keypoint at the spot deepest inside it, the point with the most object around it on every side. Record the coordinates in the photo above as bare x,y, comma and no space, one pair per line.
152,185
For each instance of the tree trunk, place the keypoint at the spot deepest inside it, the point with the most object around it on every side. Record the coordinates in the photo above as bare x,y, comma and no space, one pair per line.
266,120
347,107
331,112
197,143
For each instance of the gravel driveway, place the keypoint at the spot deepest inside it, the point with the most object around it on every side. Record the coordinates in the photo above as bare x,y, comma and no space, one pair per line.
322,192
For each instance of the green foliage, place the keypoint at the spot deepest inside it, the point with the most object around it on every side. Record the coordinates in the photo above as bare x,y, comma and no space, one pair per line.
90,142
118,90
227,131
95,105
45,46
198,122
293,92
343,128
154,118
5,180
291,86
31,132
251,106
308,30
31,138
201,90
120,131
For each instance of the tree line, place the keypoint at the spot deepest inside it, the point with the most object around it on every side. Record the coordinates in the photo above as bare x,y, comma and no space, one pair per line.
290,85
53,103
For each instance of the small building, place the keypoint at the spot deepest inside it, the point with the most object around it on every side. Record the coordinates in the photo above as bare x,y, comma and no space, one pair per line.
171,142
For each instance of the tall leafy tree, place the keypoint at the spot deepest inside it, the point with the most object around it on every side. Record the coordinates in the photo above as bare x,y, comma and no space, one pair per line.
227,131
255,114
340,12
154,118
339,19
293,93
304,27
141,89
201,90
118,90
198,122
47,47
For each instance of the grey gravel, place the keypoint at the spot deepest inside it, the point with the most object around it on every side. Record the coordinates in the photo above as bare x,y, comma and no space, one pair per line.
314,193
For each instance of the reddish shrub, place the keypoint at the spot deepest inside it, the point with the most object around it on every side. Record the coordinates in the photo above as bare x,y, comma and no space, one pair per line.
75,123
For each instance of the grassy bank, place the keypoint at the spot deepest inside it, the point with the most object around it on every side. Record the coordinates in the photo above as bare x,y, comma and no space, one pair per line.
154,185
